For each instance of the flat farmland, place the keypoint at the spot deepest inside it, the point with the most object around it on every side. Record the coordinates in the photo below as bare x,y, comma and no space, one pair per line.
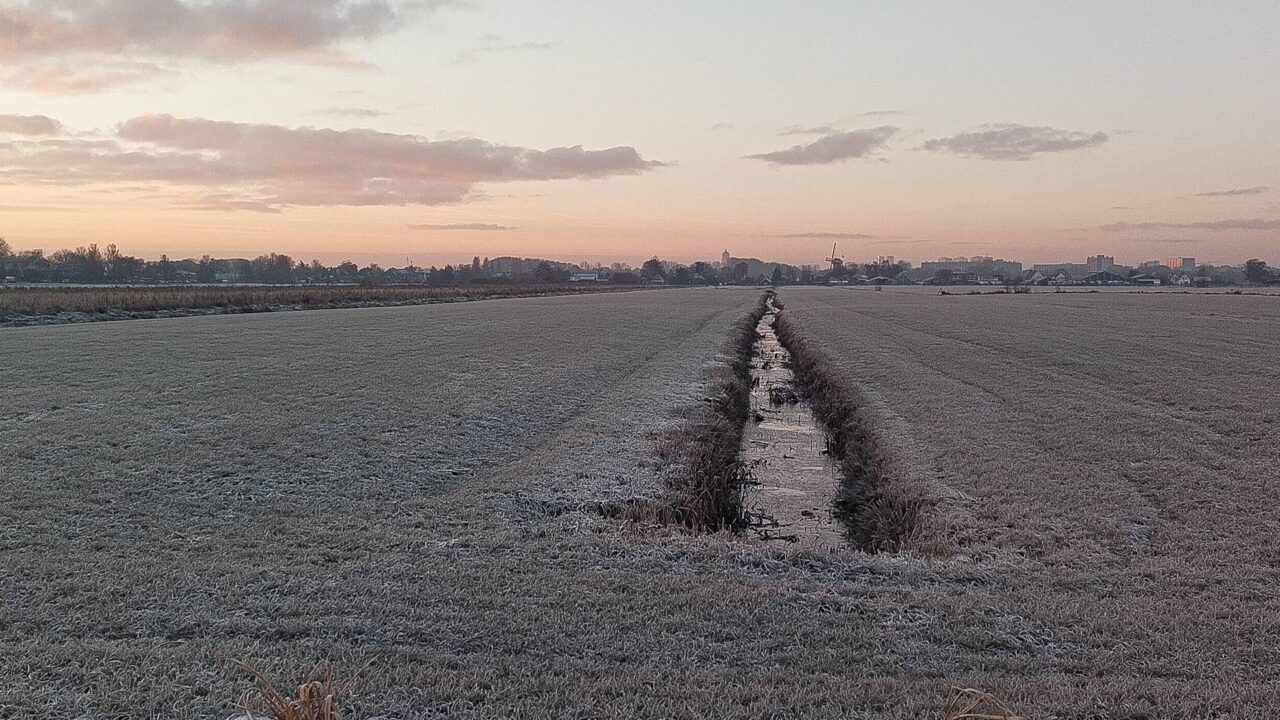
1122,450
413,491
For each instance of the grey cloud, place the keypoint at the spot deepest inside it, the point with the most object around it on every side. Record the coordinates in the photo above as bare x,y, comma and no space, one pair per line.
274,166
352,112
1260,189
1014,142
29,125
494,45
214,29
831,148
808,130
825,236
1215,225
481,227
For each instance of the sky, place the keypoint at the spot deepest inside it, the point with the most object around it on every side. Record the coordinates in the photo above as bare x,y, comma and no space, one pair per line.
435,130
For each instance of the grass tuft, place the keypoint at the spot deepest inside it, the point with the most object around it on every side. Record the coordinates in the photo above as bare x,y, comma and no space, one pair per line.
318,697
971,704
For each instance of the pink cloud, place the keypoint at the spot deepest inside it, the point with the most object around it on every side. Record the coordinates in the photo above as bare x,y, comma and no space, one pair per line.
237,166
29,125
64,79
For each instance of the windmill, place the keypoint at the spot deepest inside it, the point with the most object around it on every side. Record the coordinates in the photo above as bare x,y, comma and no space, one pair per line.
836,262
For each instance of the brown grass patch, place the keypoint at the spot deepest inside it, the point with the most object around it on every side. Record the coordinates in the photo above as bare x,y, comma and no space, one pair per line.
318,697
107,303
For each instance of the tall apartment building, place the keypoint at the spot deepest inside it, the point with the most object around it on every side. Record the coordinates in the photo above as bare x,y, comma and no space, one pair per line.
1185,264
1100,263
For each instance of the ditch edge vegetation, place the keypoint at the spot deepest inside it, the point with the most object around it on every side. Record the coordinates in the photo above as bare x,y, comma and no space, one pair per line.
880,510
706,478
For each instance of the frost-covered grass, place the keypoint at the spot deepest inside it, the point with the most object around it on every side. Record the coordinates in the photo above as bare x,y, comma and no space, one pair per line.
412,487
1122,451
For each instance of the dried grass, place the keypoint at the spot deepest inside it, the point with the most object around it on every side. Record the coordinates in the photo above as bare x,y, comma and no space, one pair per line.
971,704
318,697
124,302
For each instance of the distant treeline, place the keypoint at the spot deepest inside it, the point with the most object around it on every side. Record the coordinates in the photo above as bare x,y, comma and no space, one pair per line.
91,265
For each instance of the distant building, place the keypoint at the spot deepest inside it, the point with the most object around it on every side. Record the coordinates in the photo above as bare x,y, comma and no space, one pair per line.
962,269
1185,264
1100,263
579,277
725,258
1104,277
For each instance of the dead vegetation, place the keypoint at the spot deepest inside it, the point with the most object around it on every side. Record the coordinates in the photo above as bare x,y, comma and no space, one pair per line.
705,472
340,485
318,697
45,305
972,704
880,511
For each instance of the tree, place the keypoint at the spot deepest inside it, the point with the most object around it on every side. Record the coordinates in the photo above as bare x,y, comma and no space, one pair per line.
544,272
776,278
5,249
707,273
206,271
740,272
1256,271
943,277
164,268
652,269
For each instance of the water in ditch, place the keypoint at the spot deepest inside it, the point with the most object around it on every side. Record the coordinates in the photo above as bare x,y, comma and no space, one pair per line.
794,479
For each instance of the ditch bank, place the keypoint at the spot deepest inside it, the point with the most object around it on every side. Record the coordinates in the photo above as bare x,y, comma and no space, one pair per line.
781,447
706,478
879,509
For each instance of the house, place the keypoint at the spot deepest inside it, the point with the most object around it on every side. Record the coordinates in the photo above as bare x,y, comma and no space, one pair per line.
1146,280
1105,277
588,277
1183,280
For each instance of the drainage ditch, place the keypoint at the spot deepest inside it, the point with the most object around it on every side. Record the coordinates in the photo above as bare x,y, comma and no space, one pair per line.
793,477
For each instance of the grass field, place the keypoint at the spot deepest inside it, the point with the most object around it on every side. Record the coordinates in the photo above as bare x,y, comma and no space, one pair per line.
44,305
414,487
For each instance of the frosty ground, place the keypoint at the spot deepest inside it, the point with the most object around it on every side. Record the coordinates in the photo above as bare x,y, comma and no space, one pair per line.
415,487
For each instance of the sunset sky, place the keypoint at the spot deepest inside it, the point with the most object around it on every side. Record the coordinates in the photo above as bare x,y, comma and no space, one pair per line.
436,130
